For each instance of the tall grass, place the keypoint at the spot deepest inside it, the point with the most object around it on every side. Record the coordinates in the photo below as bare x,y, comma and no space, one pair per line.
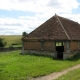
12,39
14,66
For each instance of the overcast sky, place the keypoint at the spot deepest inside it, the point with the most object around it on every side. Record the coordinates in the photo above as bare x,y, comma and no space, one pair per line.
17,16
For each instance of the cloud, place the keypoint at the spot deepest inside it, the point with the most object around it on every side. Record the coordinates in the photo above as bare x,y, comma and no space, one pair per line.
39,5
24,5
63,6
10,24
18,25
74,17
44,9
27,23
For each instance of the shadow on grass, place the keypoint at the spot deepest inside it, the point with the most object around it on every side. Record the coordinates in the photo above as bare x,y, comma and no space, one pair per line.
39,55
75,58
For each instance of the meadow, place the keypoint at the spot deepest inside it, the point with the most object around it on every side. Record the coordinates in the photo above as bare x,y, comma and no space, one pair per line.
14,66
12,39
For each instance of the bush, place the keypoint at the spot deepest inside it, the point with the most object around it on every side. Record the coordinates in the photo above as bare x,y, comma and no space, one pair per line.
2,42
24,34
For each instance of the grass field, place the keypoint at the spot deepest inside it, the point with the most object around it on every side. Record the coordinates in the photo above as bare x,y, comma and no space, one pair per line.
20,67
71,75
12,39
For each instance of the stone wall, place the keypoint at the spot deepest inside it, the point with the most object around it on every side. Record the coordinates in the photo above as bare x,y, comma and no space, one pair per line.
40,53
10,48
70,55
48,48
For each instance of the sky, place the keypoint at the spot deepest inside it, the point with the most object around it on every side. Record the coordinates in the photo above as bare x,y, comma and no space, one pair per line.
18,16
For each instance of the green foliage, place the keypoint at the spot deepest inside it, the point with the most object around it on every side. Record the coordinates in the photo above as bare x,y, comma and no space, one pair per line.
21,67
2,42
24,34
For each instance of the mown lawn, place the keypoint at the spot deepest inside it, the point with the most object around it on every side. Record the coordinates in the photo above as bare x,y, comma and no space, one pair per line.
14,66
71,75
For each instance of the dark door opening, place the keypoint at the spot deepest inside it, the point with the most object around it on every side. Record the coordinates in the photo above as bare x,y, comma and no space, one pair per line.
60,50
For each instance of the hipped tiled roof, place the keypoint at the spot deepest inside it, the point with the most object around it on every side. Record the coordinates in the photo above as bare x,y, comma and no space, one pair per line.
56,28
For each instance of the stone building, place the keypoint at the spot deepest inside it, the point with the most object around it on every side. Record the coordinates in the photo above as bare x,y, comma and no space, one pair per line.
58,37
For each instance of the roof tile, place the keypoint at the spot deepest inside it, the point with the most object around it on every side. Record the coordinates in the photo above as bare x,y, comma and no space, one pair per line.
52,30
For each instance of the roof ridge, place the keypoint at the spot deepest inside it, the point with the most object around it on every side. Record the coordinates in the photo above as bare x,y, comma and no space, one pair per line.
69,19
63,27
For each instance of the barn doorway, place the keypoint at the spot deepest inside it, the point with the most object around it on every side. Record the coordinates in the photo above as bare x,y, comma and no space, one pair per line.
60,49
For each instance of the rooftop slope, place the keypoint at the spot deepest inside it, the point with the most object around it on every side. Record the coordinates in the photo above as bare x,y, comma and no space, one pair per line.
56,28
72,28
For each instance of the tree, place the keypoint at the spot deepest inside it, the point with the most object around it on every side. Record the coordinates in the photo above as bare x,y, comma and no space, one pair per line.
2,42
24,34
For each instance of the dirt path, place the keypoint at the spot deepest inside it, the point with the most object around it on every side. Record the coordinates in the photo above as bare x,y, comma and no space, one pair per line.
55,75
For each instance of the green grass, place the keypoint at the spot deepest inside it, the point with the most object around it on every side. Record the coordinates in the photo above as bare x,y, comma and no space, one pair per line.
71,75
12,39
20,67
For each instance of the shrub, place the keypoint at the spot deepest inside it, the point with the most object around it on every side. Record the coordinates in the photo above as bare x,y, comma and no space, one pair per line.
2,42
